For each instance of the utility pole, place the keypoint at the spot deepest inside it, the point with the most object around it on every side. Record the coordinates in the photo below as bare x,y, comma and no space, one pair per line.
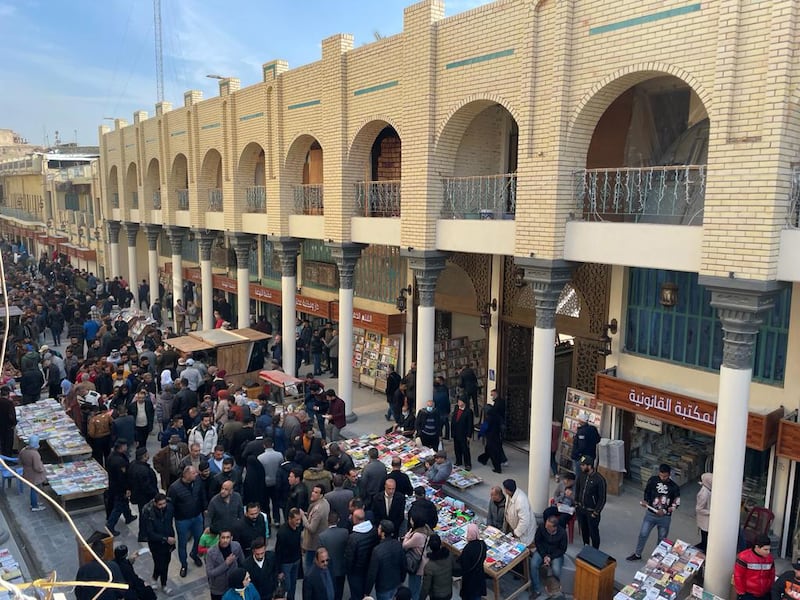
159,51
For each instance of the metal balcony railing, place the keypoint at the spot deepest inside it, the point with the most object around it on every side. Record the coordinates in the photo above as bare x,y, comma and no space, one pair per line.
378,199
115,200
480,197
668,195
256,197
19,213
183,199
793,216
135,200
157,200
308,199
215,200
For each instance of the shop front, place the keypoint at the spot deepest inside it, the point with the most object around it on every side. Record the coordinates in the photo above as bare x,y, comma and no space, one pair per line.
788,447
659,426
266,302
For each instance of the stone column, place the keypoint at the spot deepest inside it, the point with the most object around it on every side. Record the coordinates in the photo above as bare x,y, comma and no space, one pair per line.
740,306
346,256
242,245
113,247
132,230
176,236
287,249
547,278
426,265
206,241
153,232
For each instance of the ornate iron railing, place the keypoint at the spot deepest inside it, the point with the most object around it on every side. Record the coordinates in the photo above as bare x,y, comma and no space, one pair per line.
378,198
670,195
157,200
183,199
480,197
215,200
256,197
308,199
115,200
793,216
134,199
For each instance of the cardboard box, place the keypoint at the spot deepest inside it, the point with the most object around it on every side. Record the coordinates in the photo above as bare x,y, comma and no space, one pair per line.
613,480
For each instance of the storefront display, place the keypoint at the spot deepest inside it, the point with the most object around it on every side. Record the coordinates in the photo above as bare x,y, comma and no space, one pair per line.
578,407
668,571
451,355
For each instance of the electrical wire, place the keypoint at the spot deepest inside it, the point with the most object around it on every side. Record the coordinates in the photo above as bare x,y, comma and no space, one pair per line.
9,586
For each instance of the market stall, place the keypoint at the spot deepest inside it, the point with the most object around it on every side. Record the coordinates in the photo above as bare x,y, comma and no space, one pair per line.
75,481
283,386
48,420
668,573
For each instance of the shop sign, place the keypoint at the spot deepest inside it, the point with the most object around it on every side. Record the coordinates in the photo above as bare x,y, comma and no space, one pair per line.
373,321
264,294
313,306
191,274
683,411
223,283
645,422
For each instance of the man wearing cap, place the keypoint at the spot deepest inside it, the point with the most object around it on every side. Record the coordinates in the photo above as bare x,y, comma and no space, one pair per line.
754,571
662,497
440,470
787,586
192,375
118,486
33,469
584,443
590,498
519,517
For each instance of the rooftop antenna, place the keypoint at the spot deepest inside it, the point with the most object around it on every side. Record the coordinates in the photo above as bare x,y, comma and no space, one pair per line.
159,51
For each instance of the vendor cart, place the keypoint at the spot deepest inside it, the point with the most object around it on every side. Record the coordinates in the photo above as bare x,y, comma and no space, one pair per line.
284,388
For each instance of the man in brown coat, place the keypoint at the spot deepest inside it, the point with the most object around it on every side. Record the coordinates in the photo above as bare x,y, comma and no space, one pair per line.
167,461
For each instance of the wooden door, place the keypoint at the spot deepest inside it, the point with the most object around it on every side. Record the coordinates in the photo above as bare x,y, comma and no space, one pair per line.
516,366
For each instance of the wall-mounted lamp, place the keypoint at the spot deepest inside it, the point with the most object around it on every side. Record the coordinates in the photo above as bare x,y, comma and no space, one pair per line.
486,316
519,277
669,294
609,329
400,302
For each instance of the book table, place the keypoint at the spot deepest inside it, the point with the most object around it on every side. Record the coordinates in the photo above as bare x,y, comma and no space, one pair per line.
76,480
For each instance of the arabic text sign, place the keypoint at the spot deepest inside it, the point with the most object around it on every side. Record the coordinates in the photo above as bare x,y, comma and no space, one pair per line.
312,306
645,422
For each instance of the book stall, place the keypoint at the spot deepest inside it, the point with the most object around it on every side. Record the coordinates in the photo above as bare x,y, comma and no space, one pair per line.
10,571
667,574
76,480
48,420
579,406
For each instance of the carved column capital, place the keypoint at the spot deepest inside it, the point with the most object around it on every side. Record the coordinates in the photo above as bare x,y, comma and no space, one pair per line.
131,230
547,279
741,306
176,236
114,228
205,241
287,249
346,256
153,232
426,265
242,244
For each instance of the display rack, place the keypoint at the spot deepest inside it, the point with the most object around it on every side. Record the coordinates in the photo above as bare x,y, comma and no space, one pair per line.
372,354
451,355
578,406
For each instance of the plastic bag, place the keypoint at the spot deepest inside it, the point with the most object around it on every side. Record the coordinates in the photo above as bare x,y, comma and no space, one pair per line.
207,540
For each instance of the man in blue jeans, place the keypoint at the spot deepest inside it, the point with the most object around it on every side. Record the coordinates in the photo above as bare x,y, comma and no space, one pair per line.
188,501
662,497
288,551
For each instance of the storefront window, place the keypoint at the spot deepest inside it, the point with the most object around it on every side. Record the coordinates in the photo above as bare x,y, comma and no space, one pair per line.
380,273
690,333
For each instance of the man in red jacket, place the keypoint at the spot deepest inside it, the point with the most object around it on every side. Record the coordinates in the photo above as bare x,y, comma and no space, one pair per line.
754,571
335,419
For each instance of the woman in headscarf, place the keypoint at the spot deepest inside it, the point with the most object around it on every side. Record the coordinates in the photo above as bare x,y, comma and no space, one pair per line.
473,577
703,509
239,586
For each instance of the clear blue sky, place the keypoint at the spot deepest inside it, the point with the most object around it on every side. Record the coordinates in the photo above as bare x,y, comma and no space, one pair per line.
67,65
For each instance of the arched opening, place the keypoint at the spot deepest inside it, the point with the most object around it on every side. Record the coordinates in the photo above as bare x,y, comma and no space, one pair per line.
304,169
152,184
251,178
179,183
210,181
132,187
376,156
646,160
477,156
112,187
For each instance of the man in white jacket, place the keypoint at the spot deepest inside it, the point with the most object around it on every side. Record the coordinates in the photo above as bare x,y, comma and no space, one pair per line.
205,435
519,516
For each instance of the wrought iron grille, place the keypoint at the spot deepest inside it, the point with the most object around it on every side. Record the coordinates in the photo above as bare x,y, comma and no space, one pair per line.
480,197
669,195
183,199
115,200
215,200
256,197
134,199
793,217
308,199
377,198
157,200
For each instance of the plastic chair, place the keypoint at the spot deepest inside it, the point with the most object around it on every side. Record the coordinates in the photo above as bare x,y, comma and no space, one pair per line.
7,476
758,522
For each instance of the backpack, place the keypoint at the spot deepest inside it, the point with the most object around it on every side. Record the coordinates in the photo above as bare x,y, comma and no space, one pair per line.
414,559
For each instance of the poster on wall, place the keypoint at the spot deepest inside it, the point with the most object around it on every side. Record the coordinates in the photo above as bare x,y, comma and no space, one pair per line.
579,406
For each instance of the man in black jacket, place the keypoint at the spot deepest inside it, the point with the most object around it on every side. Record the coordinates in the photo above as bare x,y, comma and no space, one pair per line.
318,582
262,568
143,485
462,428
387,567
401,479
393,380
30,384
584,443
590,498
94,571
468,382
157,517
251,528
423,510
390,505
662,497
288,551
188,500
118,486
334,539
358,552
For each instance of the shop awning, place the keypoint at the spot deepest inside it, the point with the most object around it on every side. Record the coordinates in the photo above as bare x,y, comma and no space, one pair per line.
188,343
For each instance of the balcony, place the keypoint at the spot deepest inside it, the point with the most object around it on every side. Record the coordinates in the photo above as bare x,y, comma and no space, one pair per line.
308,199
115,200
256,198
480,197
672,195
377,199
183,199
157,200
19,213
134,200
215,200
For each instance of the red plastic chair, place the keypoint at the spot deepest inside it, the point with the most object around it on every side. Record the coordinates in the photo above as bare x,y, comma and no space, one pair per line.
758,522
